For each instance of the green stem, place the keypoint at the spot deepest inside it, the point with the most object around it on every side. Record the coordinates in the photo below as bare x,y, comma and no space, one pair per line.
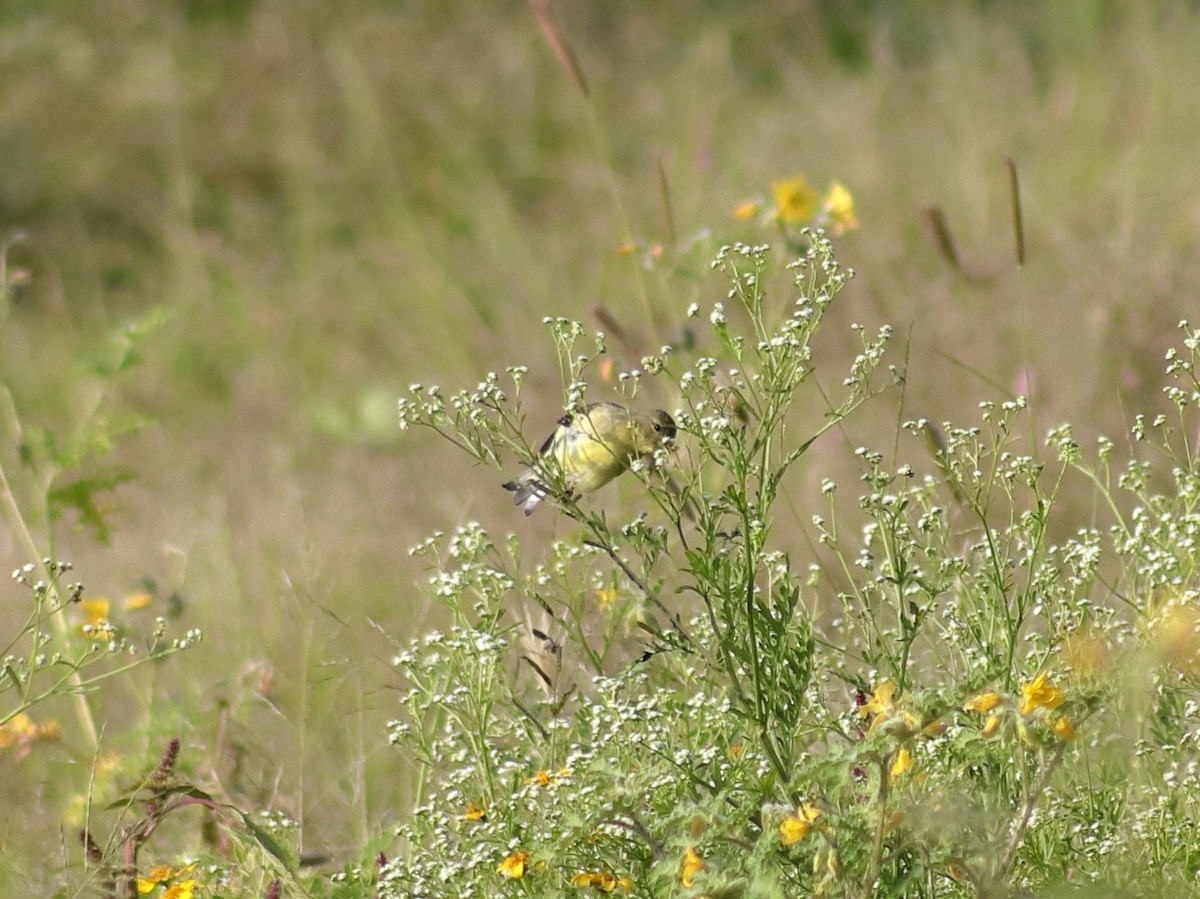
62,628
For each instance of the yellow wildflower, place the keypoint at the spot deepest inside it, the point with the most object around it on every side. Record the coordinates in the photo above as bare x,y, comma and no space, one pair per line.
474,813
983,703
627,248
746,210
795,200
839,206
136,601
513,866
901,764
691,865
795,827
164,874
545,778
17,729
1063,728
1040,694
22,732
880,702
991,726
1176,632
153,878
601,880
881,707
605,596
182,890
96,624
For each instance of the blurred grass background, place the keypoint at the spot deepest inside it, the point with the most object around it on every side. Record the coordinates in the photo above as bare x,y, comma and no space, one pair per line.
334,200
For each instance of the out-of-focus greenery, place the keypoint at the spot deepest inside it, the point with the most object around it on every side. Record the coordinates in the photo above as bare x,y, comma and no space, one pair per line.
326,202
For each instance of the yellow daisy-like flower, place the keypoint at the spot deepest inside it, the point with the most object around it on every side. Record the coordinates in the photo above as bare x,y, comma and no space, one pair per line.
795,827
602,881
474,813
1039,693
691,865
839,207
153,878
543,778
746,210
795,200
185,889
164,874
513,866
983,703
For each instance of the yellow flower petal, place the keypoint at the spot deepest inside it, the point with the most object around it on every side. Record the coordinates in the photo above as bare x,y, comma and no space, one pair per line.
901,764
839,206
983,703
880,701
1063,728
137,601
691,865
1040,694
991,726
795,827
513,866
96,609
601,880
747,210
182,890
795,200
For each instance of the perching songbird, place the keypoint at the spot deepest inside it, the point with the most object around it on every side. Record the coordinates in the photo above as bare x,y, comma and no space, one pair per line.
590,448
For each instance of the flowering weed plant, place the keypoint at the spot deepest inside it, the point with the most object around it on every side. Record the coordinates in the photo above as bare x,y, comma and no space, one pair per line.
956,689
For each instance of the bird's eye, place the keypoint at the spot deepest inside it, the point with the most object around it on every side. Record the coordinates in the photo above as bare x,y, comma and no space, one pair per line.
657,426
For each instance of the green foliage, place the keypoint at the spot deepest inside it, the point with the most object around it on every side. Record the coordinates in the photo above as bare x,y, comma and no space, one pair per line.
330,215
938,703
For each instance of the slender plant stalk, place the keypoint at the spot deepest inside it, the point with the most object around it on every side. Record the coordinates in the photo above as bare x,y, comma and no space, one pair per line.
62,629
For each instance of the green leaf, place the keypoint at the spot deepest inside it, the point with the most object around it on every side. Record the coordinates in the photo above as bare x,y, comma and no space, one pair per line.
268,842
82,495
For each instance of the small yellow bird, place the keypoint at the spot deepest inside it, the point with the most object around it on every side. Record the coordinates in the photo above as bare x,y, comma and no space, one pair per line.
589,449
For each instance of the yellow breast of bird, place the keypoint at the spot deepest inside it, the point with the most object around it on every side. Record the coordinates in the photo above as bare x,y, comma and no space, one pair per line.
586,461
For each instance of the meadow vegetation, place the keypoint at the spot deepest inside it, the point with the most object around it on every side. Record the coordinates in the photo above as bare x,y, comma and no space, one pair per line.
910,609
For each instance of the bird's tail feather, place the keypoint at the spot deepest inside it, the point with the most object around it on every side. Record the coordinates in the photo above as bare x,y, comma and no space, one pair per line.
528,492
